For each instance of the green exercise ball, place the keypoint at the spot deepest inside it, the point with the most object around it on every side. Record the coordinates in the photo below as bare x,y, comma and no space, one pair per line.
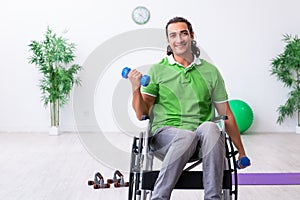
243,114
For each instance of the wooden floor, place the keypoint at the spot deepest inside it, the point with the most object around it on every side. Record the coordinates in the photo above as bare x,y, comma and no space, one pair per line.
41,167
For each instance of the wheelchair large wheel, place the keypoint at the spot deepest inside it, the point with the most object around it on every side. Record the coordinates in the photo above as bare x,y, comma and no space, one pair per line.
134,181
232,193
140,162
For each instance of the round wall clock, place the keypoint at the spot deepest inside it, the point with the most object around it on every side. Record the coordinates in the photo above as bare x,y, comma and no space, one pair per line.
141,15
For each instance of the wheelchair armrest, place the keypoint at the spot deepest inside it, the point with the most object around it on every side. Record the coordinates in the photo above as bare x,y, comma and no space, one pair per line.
220,118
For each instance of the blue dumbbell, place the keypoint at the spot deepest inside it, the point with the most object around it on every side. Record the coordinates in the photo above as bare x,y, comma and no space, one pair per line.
244,162
144,80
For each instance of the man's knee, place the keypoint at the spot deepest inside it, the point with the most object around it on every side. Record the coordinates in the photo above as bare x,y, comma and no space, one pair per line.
209,133
208,129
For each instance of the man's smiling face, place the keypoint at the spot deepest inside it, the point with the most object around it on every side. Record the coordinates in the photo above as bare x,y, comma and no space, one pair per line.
179,38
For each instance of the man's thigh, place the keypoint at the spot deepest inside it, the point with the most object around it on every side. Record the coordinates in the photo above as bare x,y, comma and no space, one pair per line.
166,136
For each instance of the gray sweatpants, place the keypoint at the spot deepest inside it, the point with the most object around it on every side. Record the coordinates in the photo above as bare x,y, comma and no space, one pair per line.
176,146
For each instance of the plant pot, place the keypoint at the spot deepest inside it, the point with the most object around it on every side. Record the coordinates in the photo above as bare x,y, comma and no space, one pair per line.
298,129
54,116
53,131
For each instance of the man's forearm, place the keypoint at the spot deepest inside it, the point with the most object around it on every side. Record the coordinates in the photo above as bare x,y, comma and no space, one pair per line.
233,132
139,105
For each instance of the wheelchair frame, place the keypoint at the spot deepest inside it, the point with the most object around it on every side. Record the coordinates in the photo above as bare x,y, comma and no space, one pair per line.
142,178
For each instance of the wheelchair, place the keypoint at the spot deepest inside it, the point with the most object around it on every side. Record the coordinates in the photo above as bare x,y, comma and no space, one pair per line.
142,178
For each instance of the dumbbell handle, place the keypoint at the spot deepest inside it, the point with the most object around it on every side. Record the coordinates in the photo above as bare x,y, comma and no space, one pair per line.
244,162
144,80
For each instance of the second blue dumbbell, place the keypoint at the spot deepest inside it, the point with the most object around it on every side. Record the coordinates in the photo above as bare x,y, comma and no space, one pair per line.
244,162
144,80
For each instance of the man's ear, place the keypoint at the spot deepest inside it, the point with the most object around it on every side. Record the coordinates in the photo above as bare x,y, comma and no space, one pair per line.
192,35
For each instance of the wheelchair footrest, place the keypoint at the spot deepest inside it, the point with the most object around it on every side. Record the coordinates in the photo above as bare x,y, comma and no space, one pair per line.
187,180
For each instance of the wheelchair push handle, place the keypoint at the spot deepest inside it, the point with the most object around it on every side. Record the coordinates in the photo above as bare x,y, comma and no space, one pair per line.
244,162
144,80
145,117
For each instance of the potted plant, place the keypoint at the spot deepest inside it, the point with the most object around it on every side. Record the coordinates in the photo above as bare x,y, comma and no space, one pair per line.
54,56
286,66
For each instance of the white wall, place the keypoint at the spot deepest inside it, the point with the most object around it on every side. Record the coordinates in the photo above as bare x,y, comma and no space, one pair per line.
241,37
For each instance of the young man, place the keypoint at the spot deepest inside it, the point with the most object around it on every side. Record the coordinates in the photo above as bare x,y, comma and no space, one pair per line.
183,92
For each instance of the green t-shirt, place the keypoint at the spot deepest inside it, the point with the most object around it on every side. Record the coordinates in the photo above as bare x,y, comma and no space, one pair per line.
184,96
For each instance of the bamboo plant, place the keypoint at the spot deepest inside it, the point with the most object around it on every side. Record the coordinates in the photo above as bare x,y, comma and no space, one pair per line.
54,56
286,67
